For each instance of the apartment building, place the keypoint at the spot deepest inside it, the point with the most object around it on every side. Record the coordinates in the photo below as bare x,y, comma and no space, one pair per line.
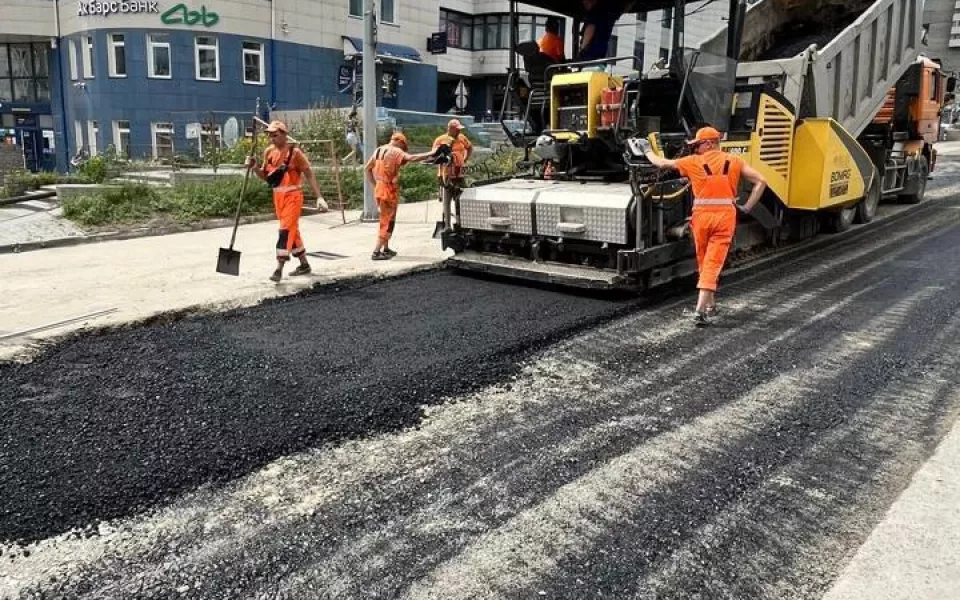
148,76
142,74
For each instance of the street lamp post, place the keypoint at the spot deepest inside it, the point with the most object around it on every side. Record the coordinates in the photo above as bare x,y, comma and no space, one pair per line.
370,211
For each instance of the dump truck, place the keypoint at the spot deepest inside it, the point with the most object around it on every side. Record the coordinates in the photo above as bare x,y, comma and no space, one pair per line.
810,93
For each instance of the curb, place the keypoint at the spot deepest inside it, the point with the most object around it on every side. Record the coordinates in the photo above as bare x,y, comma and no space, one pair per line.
140,233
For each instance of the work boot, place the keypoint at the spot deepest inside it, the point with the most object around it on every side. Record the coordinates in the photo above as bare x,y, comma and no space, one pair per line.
700,319
379,256
303,269
277,275
389,253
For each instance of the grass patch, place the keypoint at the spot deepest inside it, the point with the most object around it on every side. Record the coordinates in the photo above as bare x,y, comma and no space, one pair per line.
131,204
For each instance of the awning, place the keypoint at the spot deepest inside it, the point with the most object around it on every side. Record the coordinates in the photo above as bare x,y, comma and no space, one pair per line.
353,46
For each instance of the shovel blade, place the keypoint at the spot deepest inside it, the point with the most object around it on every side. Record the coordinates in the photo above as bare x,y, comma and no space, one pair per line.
228,262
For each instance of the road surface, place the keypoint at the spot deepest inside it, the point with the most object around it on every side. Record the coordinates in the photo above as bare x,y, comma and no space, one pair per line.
438,436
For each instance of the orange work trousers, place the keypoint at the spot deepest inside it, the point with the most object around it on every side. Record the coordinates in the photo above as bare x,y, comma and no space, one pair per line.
387,204
288,205
713,229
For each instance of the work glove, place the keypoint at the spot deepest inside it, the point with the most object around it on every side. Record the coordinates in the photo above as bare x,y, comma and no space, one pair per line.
644,145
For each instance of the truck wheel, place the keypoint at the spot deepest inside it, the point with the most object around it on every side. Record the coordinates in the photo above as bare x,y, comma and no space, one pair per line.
867,209
837,221
920,187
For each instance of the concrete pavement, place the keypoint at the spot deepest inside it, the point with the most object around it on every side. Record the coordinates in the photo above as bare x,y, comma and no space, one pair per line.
35,221
914,554
130,280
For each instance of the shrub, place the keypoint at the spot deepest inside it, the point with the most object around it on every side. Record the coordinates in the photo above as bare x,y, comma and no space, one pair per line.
94,169
19,183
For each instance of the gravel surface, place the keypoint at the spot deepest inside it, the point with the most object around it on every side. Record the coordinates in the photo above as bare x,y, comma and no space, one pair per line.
440,436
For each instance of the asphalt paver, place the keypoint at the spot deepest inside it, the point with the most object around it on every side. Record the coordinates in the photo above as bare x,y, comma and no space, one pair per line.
439,436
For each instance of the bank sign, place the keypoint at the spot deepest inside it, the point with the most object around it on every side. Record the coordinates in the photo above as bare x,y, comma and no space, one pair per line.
173,16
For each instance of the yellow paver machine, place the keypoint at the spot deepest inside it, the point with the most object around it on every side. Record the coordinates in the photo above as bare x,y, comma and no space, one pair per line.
835,120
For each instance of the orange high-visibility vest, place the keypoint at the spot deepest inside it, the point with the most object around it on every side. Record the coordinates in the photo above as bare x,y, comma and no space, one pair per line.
715,177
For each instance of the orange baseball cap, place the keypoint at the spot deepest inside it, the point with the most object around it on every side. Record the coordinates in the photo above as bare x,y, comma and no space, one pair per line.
277,126
706,134
399,137
455,124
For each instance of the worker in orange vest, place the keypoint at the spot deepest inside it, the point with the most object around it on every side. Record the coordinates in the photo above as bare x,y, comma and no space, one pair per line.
715,178
452,174
550,42
283,169
383,172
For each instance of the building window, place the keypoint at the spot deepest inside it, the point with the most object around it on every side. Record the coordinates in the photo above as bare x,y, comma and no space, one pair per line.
638,51
21,67
162,135
210,137
356,8
491,31
612,47
88,57
253,63
24,73
388,11
117,56
207,53
388,84
72,51
158,55
78,134
459,28
93,132
121,138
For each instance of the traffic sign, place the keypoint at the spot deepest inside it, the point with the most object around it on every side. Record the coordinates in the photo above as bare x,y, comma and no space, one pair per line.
461,95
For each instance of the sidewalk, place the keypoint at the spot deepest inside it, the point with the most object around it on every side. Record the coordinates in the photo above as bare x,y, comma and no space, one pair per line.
914,553
121,281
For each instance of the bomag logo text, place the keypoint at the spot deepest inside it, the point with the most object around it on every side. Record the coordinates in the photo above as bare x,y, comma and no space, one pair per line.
837,176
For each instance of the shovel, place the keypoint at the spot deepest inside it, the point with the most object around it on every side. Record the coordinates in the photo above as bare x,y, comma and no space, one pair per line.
228,261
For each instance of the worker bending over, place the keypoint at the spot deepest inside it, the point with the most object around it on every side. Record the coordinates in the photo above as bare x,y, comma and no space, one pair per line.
383,172
283,169
715,178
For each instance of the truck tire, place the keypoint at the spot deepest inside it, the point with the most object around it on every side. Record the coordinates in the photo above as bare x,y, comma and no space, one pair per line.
838,221
867,209
920,185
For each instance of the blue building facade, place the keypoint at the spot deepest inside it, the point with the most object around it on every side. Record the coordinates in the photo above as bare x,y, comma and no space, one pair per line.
293,76
158,79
